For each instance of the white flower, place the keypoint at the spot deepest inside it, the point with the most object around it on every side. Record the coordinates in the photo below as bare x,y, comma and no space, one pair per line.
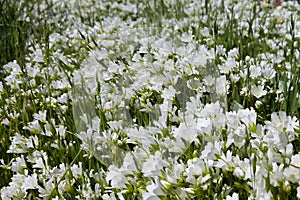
61,130
153,190
211,150
153,165
237,137
235,196
232,120
186,131
187,37
18,164
18,144
255,71
77,170
269,73
282,122
292,172
199,57
220,50
33,126
208,80
140,135
225,161
116,176
296,160
221,85
277,174
204,125
174,174
128,164
1,87
48,187
109,197
168,93
41,116
229,64
248,117
258,91
195,168
30,182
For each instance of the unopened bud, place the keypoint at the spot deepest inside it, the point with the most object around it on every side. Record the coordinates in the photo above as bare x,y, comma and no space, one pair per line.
166,184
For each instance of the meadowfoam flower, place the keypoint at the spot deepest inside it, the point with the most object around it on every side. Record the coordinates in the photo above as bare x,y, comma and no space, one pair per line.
292,172
237,137
45,191
33,126
129,164
234,196
195,167
30,182
221,88
255,71
277,174
175,173
282,122
39,159
153,190
228,66
18,144
232,119
153,165
140,135
77,170
116,177
247,116
204,125
14,191
211,150
258,91
209,80
187,132
19,164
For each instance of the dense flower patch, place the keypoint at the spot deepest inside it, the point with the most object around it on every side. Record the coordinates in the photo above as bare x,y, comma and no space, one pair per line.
152,100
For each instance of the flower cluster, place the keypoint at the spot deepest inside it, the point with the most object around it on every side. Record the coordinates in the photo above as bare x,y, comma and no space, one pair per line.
154,100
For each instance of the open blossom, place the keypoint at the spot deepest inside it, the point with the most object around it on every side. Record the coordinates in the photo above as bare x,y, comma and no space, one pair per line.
153,165
186,131
221,85
292,172
234,196
30,182
18,164
258,91
153,190
281,122
229,64
255,71
195,167
116,177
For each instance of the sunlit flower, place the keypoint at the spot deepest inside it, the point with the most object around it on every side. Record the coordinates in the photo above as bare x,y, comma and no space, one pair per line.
153,165
258,91
153,190
221,85
234,196
30,182
116,177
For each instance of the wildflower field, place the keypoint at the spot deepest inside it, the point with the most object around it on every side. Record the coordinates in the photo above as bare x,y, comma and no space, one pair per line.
159,99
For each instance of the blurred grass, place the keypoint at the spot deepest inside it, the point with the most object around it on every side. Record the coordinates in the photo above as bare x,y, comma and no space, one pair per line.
13,32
